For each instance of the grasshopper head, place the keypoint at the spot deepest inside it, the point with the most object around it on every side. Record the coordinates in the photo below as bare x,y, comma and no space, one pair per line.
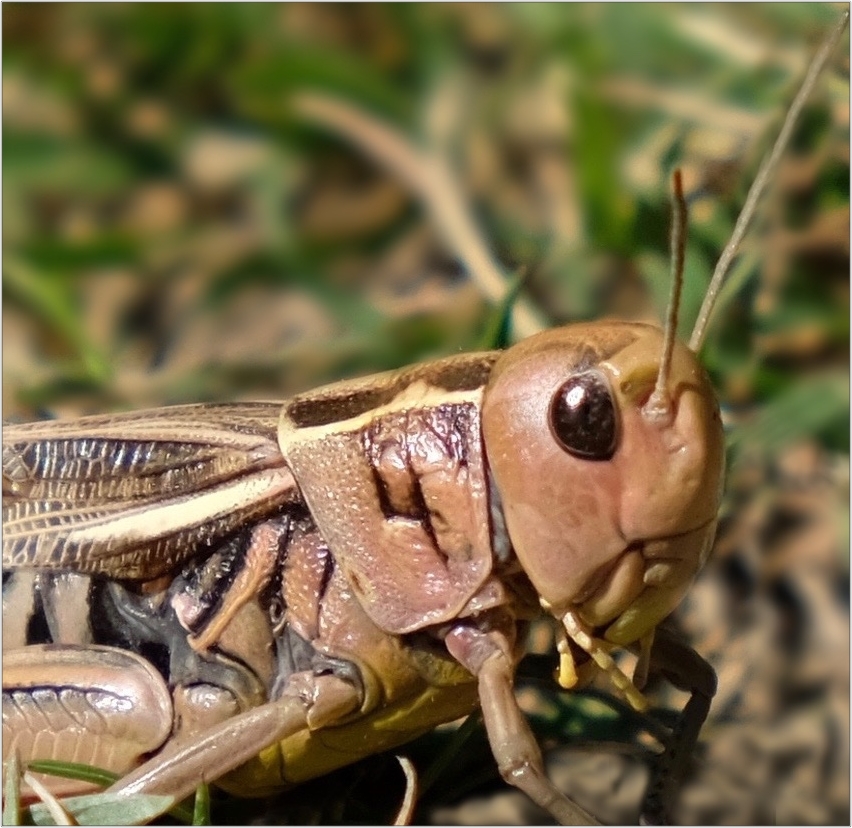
610,499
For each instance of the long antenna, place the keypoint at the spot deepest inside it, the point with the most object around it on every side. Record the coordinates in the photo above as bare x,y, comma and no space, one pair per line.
658,407
767,169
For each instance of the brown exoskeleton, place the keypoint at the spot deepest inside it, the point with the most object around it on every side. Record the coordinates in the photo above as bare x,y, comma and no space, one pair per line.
259,593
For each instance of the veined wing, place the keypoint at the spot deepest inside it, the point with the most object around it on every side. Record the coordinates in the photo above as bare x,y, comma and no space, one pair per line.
133,495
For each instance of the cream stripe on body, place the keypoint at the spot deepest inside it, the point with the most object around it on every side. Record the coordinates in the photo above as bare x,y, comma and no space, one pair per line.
152,521
419,395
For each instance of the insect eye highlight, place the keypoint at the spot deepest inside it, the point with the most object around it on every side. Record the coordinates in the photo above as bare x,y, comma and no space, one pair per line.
582,417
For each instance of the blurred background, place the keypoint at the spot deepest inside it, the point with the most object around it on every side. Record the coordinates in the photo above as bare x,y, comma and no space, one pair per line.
239,201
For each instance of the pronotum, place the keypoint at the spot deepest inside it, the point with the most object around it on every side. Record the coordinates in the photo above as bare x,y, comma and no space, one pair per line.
300,575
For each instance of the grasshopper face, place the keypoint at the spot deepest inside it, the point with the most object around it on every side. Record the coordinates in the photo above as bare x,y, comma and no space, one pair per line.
611,511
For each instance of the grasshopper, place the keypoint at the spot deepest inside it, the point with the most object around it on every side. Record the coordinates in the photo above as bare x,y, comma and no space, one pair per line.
260,593
308,573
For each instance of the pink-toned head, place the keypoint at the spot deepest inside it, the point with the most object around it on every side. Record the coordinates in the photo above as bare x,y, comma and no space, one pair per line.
610,496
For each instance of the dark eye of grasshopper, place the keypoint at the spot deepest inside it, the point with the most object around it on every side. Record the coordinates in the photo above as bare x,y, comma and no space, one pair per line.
582,417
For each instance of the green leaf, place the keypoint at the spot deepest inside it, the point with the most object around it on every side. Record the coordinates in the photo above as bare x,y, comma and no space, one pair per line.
808,407
108,809
260,87
99,776
53,302
72,166
610,213
107,249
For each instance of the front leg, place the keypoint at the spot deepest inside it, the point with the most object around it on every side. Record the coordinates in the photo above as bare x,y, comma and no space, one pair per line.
488,656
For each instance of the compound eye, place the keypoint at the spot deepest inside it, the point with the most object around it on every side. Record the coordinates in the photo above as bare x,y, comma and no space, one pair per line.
582,417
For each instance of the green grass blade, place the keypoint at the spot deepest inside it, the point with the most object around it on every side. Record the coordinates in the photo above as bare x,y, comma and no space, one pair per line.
201,809
12,792
453,748
74,770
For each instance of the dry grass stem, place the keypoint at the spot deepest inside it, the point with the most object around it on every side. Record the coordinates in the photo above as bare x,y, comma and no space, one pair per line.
763,177
430,177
